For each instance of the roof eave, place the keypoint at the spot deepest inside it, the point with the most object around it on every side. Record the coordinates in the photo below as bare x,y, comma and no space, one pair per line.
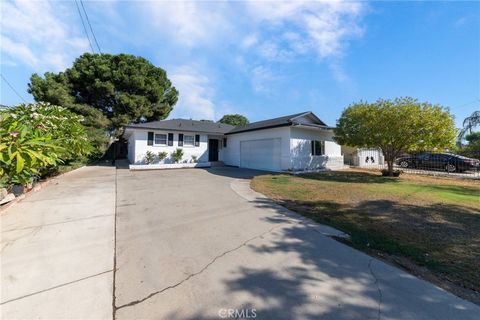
176,130
261,128
313,126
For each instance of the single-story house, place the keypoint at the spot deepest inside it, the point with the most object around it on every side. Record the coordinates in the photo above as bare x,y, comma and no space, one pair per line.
290,143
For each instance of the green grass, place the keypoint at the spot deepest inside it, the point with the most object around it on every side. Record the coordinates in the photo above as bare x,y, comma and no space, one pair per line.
429,221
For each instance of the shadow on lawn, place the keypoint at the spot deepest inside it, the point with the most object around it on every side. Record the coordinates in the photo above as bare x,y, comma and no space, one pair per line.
349,176
444,238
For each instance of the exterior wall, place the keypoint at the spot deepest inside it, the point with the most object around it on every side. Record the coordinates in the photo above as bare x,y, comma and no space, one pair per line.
140,147
231,154
300,149
295,147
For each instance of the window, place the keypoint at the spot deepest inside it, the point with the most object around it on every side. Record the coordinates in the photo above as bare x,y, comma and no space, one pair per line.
423,156
224,142
188,140
160,138
318,148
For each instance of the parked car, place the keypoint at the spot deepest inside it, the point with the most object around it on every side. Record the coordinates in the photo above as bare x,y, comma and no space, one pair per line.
438,161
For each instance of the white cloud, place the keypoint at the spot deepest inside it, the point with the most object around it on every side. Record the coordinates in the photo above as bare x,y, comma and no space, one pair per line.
262,78
36,34
18,50
188,22
249,41
195,94
322,27
273,31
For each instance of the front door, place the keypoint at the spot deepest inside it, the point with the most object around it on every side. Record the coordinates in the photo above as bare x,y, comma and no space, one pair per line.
212,150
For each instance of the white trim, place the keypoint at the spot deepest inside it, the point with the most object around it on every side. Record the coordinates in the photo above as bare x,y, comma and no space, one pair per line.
169,166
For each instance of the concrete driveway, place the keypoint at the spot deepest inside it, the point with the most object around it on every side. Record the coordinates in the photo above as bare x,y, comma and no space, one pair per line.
199,244
101,243
57,249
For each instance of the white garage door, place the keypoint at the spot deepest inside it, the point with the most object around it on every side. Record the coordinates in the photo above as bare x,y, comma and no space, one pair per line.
262,154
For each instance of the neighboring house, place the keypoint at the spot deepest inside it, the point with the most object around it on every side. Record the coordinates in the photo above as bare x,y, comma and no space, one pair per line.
296,142
362,157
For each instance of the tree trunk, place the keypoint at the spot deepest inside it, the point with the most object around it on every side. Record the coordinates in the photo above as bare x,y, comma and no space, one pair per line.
390,167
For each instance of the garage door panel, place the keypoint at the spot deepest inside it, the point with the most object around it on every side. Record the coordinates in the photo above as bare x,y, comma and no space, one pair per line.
261,154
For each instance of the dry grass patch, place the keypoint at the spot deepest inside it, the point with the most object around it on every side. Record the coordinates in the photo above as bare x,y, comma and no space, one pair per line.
428,225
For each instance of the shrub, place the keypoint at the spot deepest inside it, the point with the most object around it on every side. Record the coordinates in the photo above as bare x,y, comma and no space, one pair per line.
395,173
149,157
162,155
177,155
36,137
194,159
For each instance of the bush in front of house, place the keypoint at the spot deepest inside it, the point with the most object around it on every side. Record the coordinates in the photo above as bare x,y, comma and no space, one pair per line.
34,138
162,155
177,155
149,157
194,159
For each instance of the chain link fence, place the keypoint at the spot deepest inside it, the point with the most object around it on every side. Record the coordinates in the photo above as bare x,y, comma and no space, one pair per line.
430,163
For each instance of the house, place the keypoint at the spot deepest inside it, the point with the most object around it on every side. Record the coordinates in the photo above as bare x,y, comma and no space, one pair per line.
291,143
362,157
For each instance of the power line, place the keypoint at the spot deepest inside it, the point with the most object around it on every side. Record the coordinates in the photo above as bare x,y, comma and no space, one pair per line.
13,89
84,27
91,29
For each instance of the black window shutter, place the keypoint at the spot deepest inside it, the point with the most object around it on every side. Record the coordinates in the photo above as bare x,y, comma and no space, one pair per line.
180,139
224,142
197,140
150,139
312,144
170,139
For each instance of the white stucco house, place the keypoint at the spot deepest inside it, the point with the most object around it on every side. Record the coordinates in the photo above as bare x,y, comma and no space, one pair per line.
295,142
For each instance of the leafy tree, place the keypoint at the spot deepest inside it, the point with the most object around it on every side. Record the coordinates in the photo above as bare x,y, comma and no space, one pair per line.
473,138
397,126
234,120
36,136
109,91
472,149
468,125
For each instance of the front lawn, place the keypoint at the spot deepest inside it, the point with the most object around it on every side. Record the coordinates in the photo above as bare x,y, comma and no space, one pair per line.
428,225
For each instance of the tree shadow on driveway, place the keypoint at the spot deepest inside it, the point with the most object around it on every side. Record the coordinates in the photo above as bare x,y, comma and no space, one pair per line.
317,277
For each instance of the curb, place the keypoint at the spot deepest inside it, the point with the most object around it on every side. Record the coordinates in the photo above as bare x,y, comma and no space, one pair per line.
35,189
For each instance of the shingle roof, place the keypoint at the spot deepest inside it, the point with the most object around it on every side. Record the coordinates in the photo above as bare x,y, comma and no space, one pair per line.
221,128
185,125
273,123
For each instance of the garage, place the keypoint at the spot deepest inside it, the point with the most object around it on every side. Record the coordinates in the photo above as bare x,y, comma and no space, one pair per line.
264,154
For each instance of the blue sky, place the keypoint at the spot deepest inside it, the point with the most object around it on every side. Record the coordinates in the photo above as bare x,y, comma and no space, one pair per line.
262,58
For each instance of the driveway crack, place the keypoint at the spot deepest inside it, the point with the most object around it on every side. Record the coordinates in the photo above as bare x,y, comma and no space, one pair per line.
380,296
190,276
